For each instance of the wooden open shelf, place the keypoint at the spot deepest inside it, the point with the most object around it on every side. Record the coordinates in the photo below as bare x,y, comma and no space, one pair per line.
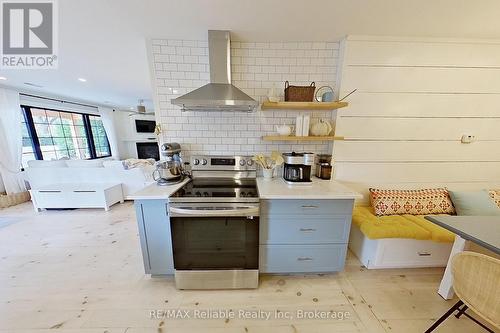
303,105
301,138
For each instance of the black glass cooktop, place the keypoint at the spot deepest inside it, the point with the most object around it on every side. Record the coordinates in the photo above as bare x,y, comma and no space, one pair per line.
218,188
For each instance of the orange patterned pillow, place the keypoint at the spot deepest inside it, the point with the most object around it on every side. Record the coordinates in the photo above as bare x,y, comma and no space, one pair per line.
412,202
495,195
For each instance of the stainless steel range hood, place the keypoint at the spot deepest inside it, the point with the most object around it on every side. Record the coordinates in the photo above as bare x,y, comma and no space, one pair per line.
219,94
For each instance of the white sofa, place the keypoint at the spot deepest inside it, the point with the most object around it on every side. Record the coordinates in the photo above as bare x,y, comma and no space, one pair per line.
43,173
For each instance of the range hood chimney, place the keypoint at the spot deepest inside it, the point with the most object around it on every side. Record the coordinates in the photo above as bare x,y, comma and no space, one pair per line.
219,94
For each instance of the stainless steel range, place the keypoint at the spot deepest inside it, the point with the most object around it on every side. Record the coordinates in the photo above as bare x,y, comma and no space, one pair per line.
215,225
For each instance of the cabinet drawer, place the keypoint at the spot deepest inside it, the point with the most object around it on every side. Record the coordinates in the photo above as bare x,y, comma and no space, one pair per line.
306,207
303,230
68,199
302,258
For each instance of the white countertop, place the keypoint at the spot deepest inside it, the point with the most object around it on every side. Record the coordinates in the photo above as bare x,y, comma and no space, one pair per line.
276,188
154,191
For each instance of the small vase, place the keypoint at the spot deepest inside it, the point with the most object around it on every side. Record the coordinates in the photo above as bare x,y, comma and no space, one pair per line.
268,173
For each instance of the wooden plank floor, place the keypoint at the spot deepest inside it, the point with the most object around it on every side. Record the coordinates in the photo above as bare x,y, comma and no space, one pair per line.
81,271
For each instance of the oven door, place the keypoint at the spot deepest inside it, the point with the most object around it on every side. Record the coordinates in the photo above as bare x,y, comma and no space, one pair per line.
215,245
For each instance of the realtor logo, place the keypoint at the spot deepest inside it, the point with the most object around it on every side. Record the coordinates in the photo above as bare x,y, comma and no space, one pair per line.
29,34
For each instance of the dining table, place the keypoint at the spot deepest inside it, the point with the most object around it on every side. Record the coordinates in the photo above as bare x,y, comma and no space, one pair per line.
482,230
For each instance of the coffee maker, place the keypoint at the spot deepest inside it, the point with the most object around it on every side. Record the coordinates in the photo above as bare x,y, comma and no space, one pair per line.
169,170
297,167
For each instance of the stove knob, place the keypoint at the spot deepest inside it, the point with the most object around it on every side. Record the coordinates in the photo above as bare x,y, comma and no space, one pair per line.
242,162
205,194
243,194
204,162
198,194
196,161
250,162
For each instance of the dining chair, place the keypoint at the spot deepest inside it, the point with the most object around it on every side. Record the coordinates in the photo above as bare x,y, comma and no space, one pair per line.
476,281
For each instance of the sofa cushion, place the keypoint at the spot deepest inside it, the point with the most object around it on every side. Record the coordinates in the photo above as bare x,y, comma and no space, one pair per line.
474,203
495,195
85,163
47,164
412,202
113,164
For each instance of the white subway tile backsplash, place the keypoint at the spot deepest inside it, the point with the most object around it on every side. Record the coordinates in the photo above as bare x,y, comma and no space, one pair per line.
255,53
191,59
261,45
262,61
235,60
176,59
200,68
319,45
181,66
203,59
304,45
184,67
202,43
178,75
173,42
248,61
159,42
189,43
169,66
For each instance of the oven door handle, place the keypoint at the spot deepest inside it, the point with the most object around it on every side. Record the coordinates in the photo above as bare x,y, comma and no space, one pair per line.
187,211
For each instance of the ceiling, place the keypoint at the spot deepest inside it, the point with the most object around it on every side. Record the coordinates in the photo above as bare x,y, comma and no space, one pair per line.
104,41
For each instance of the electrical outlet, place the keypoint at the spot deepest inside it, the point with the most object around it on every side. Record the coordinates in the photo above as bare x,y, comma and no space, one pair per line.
468,138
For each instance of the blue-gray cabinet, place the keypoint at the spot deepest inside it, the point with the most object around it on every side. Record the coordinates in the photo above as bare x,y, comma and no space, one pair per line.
304,236
154,232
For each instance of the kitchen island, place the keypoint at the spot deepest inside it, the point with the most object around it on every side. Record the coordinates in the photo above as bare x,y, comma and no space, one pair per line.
151,207
302,228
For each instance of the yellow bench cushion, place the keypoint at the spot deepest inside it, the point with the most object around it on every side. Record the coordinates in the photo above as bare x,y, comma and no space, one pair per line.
438,234
398,226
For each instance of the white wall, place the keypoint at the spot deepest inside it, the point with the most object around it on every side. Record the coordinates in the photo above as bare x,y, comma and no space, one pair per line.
415,100
181,66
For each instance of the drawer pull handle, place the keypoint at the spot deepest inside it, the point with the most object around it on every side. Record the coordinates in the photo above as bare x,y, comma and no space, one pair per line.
424,254
304,259
307,229
47,191
82,191
309,207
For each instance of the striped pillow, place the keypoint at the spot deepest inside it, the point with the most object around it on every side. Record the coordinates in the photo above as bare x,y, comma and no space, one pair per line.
495,195
411,202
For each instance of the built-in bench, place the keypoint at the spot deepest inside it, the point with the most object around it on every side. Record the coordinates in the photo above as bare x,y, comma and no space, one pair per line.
398,241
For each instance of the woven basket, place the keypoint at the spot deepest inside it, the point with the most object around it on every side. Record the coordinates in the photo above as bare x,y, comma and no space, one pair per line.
299,93
7,200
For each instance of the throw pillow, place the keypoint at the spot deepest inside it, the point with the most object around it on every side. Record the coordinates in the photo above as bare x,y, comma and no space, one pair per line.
477,203
412,202
495,195
85,163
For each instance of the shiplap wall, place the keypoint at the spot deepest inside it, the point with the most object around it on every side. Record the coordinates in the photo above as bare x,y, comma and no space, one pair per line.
415,99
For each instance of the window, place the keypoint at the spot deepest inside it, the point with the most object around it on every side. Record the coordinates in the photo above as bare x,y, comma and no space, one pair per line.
101,143
52,134
28,146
